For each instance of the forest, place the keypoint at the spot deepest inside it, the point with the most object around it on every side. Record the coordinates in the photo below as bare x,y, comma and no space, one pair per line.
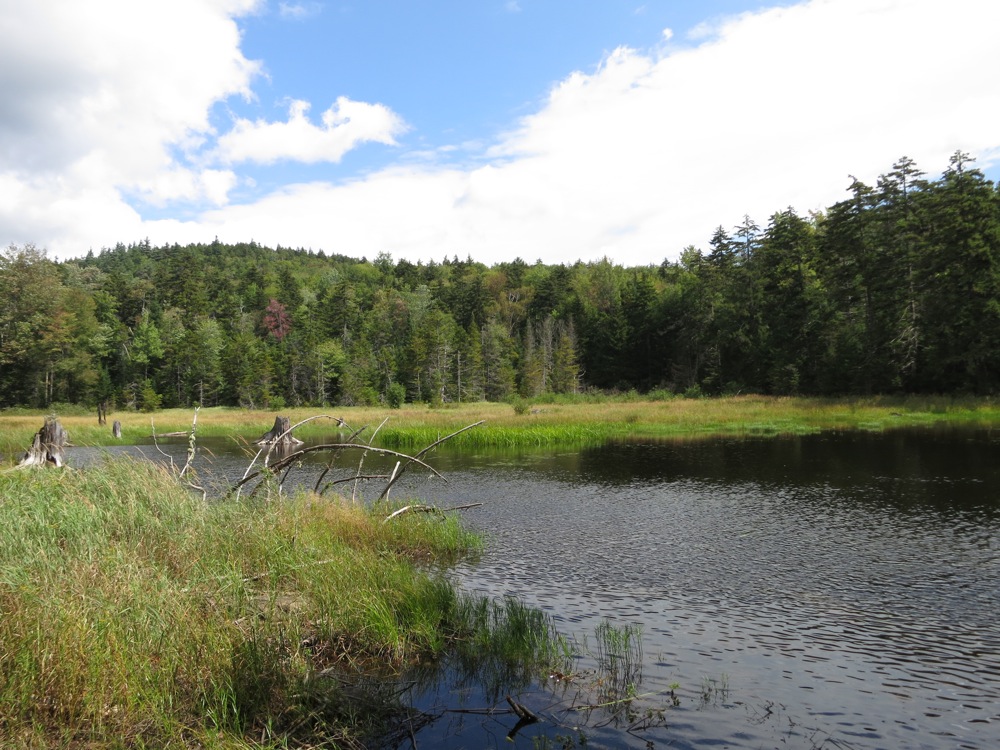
894,289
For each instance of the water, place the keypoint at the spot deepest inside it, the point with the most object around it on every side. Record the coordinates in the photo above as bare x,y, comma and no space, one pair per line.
836,591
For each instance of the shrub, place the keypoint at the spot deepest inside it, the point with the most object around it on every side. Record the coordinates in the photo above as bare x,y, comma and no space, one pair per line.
395,395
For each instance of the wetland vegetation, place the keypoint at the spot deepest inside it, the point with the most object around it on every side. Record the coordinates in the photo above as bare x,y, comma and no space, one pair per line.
553,421
136,615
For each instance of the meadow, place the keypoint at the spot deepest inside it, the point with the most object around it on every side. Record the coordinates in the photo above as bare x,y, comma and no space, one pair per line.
555,421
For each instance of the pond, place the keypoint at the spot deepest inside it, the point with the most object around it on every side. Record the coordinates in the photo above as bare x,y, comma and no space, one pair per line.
837,590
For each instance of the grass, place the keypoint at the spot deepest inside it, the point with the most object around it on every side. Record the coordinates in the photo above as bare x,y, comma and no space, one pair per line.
584,420
133,614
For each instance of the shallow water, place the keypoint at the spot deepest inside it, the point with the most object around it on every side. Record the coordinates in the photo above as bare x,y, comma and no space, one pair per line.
835,590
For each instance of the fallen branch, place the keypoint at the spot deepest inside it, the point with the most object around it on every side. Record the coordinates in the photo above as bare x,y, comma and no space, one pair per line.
285,462
270,446
418,508
424,452
521,711
279,465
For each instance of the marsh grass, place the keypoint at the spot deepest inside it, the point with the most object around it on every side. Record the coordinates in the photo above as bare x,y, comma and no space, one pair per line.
132,614
618,654
582,420
494,637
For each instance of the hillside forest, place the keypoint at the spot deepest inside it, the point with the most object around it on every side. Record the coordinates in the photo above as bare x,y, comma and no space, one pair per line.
894,289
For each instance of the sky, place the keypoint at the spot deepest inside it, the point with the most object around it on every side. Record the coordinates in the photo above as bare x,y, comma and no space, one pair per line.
552,130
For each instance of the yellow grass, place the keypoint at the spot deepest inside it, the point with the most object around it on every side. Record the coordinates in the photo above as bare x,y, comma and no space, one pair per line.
544,423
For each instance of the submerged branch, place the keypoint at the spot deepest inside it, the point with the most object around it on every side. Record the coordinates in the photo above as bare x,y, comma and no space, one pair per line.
418,508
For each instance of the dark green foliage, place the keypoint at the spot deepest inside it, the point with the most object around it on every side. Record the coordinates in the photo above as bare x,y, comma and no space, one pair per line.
894,289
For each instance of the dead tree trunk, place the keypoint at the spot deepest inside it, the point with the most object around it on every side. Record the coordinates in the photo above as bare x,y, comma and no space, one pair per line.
116,429
102,413
48,445
279,434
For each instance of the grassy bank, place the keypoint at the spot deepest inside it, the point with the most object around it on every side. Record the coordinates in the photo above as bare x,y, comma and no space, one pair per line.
568,421
133,614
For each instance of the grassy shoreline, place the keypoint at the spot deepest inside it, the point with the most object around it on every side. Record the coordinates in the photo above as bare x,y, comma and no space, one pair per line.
136,615
570,421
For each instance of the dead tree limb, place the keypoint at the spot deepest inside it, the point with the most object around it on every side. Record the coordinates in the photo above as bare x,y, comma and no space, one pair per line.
361,461
192,446
424,452
279,465
270,446
333,457
418,508
285,462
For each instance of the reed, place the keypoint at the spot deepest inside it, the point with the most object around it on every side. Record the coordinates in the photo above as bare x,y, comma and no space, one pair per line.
582,420
133,614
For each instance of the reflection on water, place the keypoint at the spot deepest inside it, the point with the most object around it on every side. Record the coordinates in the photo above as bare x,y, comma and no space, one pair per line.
845,584
842,586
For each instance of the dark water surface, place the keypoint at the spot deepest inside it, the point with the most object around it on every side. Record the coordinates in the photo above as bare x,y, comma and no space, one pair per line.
839,590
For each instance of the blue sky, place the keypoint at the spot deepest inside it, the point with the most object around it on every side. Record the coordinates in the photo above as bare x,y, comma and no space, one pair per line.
456,71
544,129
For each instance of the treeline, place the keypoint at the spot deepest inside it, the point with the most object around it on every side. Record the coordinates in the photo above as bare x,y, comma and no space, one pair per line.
894,289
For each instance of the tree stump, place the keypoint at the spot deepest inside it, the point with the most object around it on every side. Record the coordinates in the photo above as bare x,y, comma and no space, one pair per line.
48,445
116,429
282,425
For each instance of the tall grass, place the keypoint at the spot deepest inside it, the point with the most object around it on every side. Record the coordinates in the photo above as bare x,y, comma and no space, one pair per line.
134,615
585,419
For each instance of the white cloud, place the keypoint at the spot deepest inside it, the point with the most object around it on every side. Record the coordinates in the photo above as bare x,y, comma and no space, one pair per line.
299,11
344,126
97,99
634,160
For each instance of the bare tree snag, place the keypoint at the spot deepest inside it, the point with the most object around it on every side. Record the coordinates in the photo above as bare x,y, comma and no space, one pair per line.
102,413
281,433
47,447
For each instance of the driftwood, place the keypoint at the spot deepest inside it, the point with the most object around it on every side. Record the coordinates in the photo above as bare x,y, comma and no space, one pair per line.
280,433
284,460
47,447
418,508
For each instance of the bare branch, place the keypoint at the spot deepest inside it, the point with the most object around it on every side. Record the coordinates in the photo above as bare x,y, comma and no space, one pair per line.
425,451
418,508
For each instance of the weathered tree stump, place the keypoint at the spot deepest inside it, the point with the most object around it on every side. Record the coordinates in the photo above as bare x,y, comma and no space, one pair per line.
279,434
116,429
47,447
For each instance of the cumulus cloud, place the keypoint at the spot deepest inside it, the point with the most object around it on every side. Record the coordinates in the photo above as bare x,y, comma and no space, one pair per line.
98,101
343,127
653,150
634,160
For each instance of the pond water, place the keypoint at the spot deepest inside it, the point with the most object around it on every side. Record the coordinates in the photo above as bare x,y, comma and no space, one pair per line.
839,590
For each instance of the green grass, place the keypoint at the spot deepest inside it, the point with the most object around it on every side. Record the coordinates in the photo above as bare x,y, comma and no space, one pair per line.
132,614
553,421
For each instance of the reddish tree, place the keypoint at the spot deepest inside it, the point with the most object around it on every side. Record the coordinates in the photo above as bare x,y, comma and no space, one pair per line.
276,320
